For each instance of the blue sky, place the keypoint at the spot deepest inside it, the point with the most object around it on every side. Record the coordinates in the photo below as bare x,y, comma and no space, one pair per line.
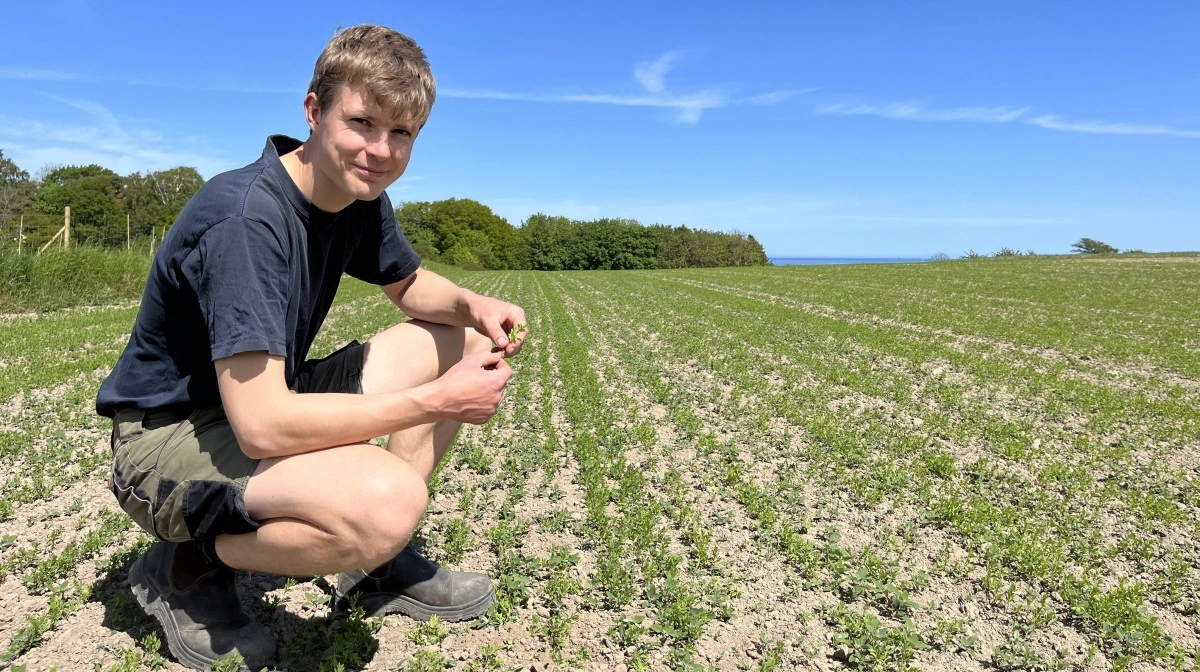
823,129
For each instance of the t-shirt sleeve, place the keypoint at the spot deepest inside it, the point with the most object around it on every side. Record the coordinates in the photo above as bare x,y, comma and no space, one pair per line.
240,273
383,255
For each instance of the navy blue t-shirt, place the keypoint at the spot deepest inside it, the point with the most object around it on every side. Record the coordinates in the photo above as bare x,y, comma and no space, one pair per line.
249,265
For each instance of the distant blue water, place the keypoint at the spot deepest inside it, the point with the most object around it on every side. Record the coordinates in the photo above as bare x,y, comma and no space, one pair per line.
821,261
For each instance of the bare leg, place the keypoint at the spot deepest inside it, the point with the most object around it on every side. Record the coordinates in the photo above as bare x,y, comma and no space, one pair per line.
412,354
354,506
327,511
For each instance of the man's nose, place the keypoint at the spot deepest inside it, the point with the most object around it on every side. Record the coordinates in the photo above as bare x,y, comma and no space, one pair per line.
380,146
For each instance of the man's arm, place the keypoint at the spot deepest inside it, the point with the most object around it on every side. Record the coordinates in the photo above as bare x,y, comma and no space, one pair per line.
270,421
425,295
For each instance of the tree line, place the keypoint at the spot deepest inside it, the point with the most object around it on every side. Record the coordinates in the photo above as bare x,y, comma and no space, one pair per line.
456,231
103,203
467,233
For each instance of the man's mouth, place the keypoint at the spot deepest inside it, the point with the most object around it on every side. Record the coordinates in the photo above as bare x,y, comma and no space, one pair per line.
368,173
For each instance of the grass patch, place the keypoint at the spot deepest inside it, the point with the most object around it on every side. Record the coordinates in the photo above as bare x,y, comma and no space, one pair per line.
72,277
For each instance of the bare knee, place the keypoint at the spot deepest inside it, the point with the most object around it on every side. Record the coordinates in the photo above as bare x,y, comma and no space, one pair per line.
476,342
416,352
389,508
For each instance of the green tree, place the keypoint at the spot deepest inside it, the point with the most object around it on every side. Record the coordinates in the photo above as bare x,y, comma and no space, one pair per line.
156,198
1089,246
703,249
744,250
16,190
92,192
419,228
672,252
460,255
465,243
467,233
615,244
548,242
472,225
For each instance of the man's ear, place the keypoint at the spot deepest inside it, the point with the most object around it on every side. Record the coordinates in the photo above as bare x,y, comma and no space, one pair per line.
312,111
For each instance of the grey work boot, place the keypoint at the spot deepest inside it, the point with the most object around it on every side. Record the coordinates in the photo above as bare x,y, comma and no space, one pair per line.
203,623
416,587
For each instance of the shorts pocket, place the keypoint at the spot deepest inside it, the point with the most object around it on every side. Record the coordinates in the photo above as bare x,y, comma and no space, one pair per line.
141,468
214,507
123,438
127,487
142,449
168,513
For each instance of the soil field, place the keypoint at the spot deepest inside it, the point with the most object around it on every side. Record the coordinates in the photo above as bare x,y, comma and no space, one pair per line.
965,465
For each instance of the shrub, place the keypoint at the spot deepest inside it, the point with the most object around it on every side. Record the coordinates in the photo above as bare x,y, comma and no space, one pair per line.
1089,246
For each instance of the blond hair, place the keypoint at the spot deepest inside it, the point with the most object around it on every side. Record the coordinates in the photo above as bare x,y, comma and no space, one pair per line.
390,65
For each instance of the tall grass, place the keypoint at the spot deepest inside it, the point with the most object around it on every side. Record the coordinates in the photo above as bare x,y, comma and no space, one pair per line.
84,276
73,277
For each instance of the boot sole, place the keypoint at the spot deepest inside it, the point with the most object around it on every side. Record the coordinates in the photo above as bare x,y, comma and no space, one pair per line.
391,603
156,607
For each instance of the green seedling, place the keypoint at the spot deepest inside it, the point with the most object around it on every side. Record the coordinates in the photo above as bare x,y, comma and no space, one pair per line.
1011,428
429,633
517,328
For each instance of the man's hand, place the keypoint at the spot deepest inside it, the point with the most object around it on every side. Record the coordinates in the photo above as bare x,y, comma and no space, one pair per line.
425,295
496,319
471,390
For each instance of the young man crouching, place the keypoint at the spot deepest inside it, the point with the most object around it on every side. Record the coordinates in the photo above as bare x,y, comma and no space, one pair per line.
238,452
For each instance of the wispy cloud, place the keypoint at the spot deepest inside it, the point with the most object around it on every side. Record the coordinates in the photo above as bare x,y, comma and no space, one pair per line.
101,139
1053,122
775,97
916,112
651,75
406,183
37,74
220,87
998,115
688,108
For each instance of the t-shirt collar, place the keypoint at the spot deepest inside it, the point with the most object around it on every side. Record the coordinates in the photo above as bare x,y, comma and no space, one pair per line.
278,145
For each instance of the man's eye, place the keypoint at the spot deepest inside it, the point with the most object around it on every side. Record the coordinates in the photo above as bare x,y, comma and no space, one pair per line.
360,120
401,131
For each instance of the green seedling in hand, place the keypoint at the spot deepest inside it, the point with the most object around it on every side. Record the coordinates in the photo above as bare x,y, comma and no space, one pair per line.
518,328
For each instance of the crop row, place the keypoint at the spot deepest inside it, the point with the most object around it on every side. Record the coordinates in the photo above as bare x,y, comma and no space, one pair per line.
884,455
876,469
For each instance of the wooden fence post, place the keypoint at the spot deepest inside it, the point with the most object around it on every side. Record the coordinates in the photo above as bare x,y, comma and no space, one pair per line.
57,234
153,229
66,227
127,241
21,236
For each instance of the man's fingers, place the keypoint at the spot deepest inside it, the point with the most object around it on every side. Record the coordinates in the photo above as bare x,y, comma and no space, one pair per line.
497,335
496,364
490,359
514,347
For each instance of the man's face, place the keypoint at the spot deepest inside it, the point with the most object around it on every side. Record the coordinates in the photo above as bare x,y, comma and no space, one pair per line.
359,149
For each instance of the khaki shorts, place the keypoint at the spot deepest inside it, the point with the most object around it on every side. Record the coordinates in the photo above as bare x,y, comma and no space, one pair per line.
182,475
